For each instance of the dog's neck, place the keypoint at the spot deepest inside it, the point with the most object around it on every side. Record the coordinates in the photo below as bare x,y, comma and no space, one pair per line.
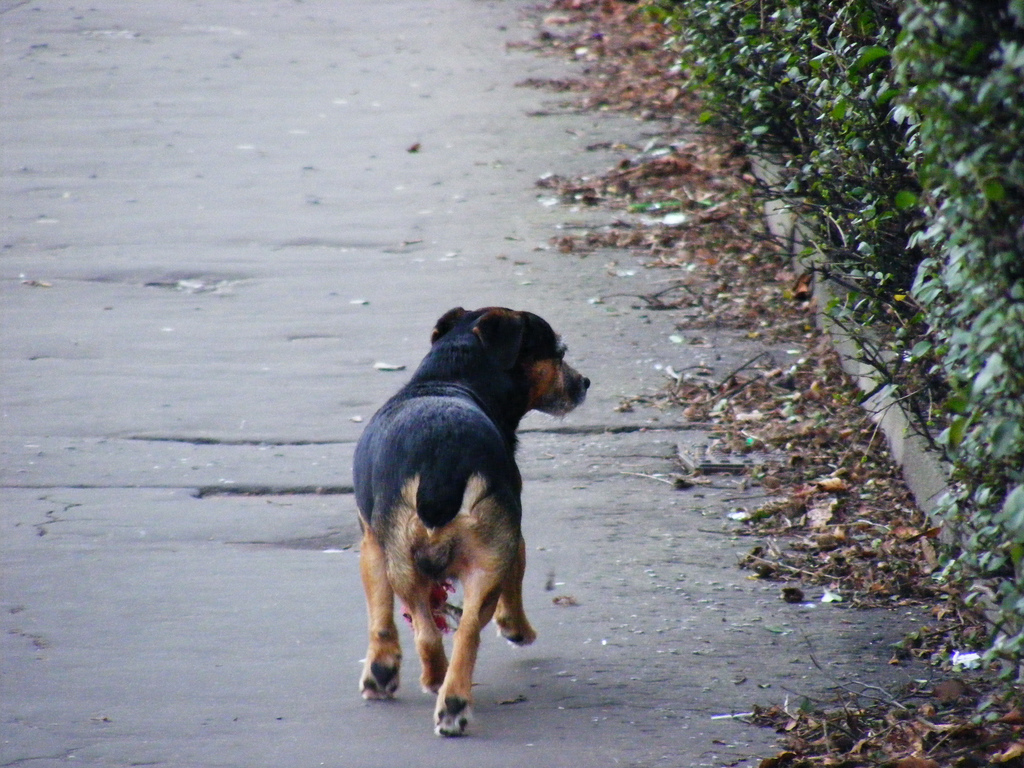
500,403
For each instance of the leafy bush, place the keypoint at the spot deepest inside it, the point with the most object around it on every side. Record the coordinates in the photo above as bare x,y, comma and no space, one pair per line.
962,66
809,83
902,134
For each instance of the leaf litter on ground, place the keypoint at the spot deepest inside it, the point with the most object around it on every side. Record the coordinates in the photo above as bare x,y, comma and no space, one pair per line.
840,522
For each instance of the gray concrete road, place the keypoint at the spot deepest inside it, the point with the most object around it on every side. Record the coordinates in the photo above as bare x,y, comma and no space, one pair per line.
212,231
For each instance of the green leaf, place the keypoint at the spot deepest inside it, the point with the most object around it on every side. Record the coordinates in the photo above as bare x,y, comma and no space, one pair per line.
1016,553
1006,438
994,191
887,95
1012,513
869,55
1017,11
956,431
994,367
905,200
956,403
921,349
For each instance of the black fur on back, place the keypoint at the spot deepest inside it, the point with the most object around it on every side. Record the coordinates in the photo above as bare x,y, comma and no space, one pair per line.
456,417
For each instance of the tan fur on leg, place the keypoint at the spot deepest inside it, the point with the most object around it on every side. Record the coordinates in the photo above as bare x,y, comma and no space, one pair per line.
510,616
384,655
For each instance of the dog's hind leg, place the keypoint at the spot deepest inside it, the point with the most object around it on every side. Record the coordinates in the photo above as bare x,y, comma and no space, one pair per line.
429,644
510,615
384,654
481,588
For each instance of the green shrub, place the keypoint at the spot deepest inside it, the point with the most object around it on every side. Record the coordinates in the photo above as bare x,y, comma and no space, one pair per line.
809,83
962,67
901,127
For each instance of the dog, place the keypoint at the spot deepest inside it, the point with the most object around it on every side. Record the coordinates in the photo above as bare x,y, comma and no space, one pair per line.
438,491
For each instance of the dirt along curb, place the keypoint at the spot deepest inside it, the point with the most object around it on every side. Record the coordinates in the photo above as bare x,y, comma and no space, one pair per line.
925,471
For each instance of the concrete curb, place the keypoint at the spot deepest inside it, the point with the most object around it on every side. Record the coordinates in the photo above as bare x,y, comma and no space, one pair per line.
926,473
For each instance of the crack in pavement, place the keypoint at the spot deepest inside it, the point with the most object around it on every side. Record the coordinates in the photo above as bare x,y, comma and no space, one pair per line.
581,429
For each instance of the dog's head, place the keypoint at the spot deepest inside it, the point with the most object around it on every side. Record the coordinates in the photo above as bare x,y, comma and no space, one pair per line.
522,343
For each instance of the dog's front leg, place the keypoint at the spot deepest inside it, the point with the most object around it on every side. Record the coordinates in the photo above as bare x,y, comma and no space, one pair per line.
384,654
480,596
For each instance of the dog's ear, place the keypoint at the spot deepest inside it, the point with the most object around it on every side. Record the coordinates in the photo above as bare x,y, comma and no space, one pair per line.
501,331
446,322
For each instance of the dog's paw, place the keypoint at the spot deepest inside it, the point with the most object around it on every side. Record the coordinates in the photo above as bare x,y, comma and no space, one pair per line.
379,681
452,717
435,667
430,687
431,684
517,633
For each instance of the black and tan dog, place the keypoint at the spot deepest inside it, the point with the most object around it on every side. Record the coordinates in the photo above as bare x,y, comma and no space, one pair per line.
438,492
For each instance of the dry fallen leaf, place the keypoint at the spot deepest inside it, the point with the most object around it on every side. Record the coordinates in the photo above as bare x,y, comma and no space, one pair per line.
949,690
1012,752
819,514
1013,717
916,762
792,594
931,559
802,288
833,484
565,601
828,541
780,760
751,416
906,532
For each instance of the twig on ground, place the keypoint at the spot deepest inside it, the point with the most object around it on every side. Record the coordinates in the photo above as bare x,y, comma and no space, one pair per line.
649,477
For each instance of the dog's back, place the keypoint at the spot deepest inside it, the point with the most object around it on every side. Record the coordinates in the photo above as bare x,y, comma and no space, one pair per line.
438,438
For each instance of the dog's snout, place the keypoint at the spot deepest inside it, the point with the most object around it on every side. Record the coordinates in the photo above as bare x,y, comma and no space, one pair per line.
586,383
